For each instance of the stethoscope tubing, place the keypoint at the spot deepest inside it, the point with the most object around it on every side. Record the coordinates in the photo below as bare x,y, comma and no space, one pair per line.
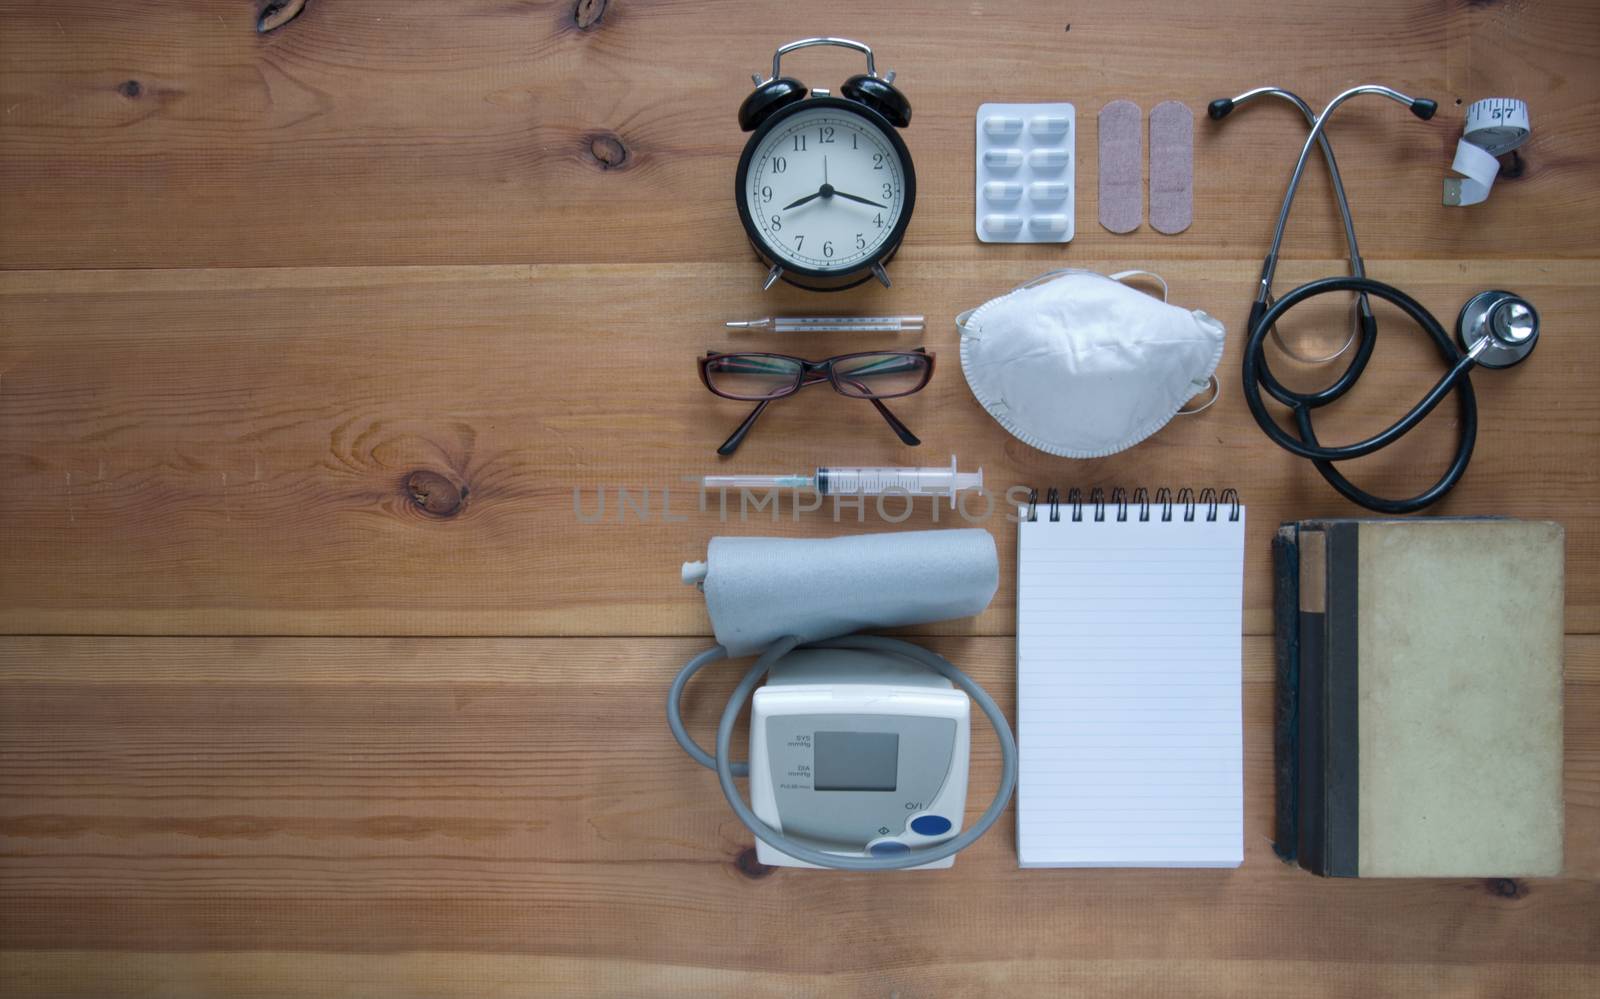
1257,374
1318,125
1363,318
1357,265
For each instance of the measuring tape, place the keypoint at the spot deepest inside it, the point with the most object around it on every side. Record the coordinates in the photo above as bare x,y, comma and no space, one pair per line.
1495,126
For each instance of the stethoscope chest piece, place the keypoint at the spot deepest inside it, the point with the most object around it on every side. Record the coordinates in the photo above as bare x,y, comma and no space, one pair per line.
1497,329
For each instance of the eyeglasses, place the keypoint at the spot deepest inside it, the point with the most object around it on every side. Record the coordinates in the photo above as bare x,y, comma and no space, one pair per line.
761,378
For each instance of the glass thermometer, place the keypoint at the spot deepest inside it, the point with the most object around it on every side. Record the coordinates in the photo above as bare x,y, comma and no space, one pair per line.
831,324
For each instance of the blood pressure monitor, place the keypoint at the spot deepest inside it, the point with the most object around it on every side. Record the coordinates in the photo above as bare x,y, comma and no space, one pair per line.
858,753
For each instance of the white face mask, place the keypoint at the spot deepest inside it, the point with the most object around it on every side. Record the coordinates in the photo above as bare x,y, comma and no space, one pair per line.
1081,365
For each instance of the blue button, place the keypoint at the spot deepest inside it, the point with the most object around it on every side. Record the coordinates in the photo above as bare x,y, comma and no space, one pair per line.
887,848
930,825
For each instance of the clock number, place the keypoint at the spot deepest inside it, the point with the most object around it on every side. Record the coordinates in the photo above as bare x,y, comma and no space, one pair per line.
825,134
827,249
861,243
877,161
766,194
888,190
779,164
799,143
777,223
799,241
877,220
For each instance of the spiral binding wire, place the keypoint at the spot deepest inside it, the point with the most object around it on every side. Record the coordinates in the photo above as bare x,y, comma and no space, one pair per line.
1208,504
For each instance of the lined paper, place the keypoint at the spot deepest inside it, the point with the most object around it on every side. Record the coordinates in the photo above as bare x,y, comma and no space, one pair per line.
1129,688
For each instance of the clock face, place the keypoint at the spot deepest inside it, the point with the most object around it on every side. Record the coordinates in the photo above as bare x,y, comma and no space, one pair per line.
825,190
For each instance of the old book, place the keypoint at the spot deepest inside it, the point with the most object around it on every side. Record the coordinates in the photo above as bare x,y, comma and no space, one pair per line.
1419,697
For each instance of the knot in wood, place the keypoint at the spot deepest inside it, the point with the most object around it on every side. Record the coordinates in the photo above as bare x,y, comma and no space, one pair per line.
607,150
278,13
434,494
751,867
587,13
1506,888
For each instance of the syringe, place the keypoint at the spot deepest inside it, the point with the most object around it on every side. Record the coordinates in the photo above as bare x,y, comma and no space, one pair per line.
866,481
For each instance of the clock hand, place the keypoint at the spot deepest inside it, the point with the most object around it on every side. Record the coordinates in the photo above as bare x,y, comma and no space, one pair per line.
864,201
827,191
800,201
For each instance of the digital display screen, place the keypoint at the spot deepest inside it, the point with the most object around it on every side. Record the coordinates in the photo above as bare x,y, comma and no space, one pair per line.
856,761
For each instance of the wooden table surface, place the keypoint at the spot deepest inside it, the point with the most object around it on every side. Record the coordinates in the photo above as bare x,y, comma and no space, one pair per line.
313,681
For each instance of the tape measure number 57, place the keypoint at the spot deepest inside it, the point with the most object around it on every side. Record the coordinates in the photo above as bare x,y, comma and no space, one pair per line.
1494,127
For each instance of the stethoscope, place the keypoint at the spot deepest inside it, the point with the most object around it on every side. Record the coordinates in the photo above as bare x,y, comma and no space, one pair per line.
1496,329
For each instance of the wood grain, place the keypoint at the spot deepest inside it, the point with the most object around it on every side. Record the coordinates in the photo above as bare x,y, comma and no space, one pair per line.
150,135
349,807
232,452
316,330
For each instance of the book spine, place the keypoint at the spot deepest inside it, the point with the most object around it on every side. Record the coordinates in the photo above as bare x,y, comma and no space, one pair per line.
1341,693
1309,803
1286,694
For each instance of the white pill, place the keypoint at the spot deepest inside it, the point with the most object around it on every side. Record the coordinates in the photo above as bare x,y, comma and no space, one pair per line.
1002,125
999,190
1047,191
1047,159
1002,223
1048,125
1003,157
1048,223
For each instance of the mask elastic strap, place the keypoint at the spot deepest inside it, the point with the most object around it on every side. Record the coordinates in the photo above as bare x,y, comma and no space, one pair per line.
1157,278
1216,392
1048,276
961,319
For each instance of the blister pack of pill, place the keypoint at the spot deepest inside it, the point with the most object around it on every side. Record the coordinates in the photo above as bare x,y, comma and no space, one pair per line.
1026,173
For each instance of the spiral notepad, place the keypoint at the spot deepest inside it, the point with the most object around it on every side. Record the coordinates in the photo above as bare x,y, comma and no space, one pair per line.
1130,728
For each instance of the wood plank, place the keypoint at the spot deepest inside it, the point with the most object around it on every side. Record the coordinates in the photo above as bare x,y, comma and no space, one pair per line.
195,816
315,975
229,451
418,132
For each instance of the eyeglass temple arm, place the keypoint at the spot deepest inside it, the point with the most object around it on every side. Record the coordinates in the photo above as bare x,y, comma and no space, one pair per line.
737,437
901,430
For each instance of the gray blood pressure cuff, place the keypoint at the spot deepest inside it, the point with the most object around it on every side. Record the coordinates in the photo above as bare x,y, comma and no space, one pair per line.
760,589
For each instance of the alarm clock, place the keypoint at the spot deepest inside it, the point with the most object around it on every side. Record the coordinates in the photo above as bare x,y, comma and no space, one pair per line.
825,185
